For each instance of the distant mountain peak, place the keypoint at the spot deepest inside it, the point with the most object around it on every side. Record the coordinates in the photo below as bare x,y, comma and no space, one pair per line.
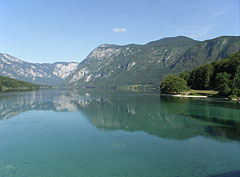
46,73
6,58
178,40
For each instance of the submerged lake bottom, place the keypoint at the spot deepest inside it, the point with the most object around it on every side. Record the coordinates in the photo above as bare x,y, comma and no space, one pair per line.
55,133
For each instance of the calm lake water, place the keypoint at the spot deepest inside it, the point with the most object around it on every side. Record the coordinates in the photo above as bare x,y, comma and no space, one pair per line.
50,133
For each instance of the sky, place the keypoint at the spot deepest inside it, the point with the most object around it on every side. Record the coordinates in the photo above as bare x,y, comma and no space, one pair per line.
41,31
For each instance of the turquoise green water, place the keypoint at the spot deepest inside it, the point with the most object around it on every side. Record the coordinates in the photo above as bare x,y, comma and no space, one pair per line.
52,133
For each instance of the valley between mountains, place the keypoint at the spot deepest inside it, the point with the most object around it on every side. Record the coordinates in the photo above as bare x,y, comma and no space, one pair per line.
111,65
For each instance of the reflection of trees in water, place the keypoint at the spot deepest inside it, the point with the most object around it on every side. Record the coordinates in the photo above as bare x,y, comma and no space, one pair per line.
224,131
221,120
166,117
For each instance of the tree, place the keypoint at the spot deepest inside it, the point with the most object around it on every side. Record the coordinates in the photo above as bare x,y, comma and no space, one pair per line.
186,76
223,84
237,78
173,84
200,77
236,82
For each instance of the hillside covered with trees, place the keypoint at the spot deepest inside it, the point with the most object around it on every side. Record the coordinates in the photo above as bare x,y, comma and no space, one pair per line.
222,75
7,83
129,65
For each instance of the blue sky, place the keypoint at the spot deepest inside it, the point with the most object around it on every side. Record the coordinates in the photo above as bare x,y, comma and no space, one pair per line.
68,30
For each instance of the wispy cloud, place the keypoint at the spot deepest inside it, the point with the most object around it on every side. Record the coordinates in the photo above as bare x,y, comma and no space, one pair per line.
200,32
197,32
217,14
204,30
119,30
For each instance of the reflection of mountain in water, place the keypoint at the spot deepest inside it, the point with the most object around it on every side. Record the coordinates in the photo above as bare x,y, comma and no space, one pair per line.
12,104
165,117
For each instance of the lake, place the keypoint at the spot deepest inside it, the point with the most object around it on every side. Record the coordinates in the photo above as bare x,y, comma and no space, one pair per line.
55,133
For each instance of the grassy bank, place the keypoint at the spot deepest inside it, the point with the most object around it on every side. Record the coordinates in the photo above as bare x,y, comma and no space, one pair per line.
208,93
200,94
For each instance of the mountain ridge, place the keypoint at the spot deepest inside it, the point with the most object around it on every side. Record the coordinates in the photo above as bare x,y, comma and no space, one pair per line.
39,73
114,65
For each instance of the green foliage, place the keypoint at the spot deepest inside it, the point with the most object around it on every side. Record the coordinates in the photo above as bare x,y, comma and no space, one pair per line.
173,84
236,82
222,75
231,67
200,77
7,83
223,83
186,76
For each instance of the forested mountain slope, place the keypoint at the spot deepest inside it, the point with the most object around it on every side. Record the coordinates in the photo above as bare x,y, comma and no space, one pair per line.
7,83
115,65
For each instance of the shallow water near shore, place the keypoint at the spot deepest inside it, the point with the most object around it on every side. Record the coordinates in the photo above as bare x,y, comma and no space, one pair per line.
54,133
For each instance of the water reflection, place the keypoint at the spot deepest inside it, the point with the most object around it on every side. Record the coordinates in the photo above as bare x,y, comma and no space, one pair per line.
166,117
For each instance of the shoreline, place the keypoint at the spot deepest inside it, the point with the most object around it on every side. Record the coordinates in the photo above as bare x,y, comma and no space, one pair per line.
184,96
199,96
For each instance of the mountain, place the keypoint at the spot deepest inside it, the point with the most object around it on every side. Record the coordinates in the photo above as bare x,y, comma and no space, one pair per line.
111,65
115,65
7,83
46,73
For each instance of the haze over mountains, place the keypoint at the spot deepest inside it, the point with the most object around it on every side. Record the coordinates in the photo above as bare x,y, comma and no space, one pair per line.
115,65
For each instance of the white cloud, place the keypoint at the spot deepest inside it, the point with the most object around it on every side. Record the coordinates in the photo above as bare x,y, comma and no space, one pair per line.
119,30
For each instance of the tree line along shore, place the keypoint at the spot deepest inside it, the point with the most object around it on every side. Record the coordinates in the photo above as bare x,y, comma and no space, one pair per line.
9,84
220,78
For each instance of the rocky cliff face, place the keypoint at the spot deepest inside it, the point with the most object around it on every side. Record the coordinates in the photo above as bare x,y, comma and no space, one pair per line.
46,73
114,65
